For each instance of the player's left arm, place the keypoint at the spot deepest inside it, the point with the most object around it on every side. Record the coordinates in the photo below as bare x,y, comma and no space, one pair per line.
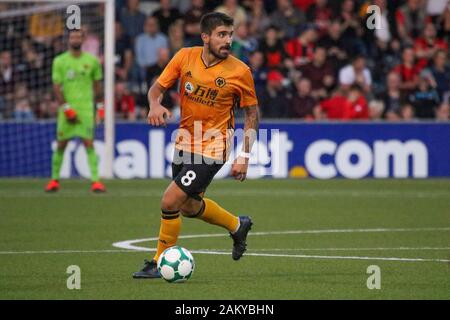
249,102
251,125
97,76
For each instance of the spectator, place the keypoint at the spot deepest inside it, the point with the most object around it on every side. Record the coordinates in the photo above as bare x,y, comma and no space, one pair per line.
336,48
356,107
409,71
259,72
32,71
234,10
272,48
22,106
288,19
91,42
376,109
47,107
332,108
425,100
301,49
303,5
166,15
351,28
426,46
320,14
155,70
407,112
176,37
411,19
320,73
182,5
346,106
303,105
444,23
258,18
123,52
443,112
8,75
124,102
192,23
146,49
440,74
356,73
392,97
243,43
132,19
274,100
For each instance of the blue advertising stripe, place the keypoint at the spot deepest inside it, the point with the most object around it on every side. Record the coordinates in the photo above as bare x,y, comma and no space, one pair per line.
320,150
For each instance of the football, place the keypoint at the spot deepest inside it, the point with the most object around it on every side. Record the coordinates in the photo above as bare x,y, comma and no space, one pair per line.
176,264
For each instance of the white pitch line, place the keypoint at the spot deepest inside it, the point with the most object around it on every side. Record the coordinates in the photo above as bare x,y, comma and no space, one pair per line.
221,250
343,249
210,252
129,244
325,257
128,247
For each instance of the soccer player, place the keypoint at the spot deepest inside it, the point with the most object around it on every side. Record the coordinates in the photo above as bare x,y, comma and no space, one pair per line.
212,83
76,77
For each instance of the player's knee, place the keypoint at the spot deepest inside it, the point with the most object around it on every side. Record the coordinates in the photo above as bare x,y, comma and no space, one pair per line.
168,204
188,212
192,209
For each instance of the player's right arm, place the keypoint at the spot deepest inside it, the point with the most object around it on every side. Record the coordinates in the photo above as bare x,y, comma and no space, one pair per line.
57,79
157,113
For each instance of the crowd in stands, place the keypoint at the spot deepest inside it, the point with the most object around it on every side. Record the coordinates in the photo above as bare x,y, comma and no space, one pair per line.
311,59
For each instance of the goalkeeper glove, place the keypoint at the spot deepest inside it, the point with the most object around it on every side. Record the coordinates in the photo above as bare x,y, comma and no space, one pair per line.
69,113
100,111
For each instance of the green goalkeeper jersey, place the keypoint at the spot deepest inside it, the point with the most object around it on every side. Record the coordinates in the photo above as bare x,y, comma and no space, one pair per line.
76,75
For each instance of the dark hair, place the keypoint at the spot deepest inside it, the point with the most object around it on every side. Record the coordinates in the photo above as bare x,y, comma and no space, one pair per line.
356,87
69,31
212,20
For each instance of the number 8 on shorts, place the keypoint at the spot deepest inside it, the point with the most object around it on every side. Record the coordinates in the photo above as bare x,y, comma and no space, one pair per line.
187,179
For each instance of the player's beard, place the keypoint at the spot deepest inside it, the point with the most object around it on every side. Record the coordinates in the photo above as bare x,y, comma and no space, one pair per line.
75,46
217,53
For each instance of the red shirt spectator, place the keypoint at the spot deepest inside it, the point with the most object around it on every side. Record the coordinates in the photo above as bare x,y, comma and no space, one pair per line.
357,109
303,4
333,107
409,71
124,102
301,49
426,46
272,48
411,18
320,14
353,107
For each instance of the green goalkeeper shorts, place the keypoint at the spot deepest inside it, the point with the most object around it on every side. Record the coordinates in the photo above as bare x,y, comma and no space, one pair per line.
83,128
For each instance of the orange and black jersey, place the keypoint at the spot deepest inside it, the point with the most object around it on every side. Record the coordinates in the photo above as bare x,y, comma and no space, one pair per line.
208,96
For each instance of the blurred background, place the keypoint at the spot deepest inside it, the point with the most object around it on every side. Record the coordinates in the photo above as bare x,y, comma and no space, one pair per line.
311,59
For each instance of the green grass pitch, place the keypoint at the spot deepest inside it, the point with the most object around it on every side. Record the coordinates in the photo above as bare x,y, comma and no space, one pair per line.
311,240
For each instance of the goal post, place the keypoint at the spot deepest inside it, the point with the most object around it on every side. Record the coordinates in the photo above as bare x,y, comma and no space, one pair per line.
97,14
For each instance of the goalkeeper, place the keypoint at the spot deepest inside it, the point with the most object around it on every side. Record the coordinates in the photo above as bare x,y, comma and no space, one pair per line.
76,75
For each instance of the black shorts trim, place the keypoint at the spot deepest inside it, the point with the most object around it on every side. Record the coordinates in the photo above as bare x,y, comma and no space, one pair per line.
193,177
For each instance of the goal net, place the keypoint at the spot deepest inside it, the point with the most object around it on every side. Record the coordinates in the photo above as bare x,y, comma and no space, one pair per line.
32,34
